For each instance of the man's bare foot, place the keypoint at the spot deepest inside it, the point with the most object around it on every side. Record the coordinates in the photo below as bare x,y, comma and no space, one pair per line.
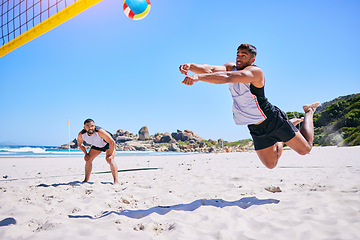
297,121
312,106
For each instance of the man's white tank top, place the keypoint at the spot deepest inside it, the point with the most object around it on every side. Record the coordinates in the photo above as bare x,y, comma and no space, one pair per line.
246,109
94,139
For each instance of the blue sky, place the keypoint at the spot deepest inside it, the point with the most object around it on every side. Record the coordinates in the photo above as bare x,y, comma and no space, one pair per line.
124,73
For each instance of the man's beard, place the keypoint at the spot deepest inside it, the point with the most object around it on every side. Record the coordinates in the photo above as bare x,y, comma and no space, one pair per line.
243,65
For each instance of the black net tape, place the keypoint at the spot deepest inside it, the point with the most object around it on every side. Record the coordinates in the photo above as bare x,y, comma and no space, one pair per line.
19,16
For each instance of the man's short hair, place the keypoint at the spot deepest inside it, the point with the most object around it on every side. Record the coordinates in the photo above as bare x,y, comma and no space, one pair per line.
252,49
88,121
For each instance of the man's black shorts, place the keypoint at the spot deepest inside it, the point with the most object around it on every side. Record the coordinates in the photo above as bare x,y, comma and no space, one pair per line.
276,128
103,149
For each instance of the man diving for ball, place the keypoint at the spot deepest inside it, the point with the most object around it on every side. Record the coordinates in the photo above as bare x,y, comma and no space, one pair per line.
269,126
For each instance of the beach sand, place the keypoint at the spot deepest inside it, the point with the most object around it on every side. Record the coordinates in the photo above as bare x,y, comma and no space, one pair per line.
194,196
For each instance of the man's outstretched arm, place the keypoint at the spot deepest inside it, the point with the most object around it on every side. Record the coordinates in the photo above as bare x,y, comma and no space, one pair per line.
204,68
248,75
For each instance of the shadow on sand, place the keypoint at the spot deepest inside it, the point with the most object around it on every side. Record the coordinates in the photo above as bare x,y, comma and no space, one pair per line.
7,222
73,183
162,210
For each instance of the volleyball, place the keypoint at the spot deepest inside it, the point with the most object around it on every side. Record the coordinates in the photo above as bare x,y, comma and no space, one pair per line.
136,9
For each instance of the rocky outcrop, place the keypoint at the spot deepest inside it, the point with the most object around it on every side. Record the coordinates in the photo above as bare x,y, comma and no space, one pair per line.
174,148
179,141
123,139
185,136
166,138
73,145
144,134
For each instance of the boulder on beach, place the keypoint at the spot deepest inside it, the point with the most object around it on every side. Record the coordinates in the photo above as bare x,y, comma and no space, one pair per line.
121,139
166,138
144,134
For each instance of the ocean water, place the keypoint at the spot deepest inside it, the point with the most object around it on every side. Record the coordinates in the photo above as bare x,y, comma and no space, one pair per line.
50,151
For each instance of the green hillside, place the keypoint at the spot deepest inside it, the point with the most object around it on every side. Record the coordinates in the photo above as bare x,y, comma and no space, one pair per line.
337,122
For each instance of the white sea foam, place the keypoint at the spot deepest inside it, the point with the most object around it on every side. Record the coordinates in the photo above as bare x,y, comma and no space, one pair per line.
15,150
43,151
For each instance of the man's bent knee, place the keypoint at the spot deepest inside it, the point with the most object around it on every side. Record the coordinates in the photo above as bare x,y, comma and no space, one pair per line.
110,160
269,162
270,165
270,156
305,150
